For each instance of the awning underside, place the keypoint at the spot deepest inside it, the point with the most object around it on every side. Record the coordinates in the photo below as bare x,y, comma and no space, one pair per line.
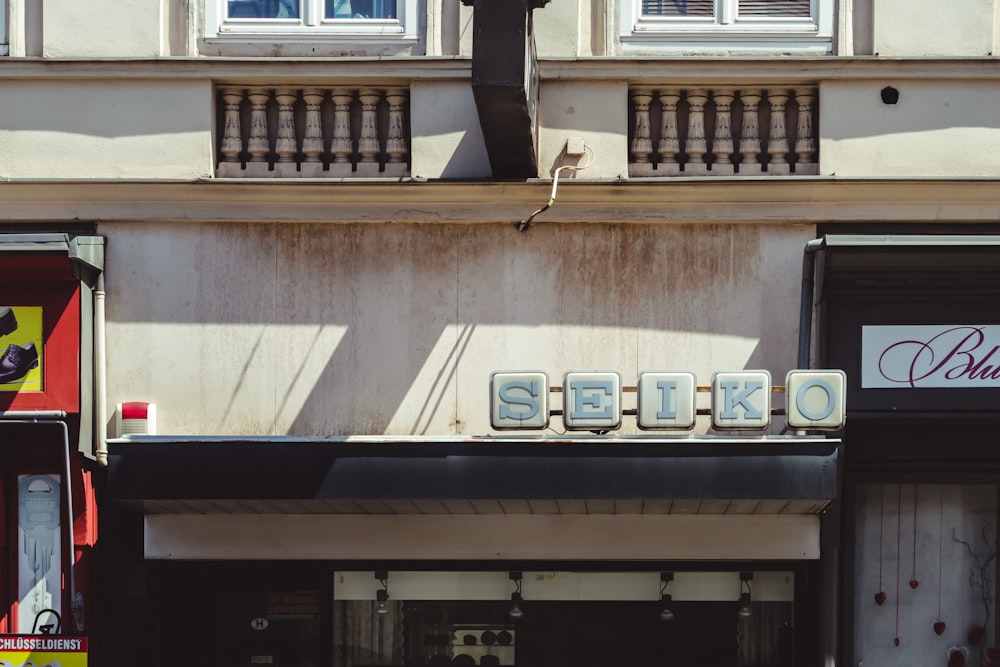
474,476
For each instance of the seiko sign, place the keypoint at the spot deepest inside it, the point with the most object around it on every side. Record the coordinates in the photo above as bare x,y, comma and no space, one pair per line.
930,356
741,400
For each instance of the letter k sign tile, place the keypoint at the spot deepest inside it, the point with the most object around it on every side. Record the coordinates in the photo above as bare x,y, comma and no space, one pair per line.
741,400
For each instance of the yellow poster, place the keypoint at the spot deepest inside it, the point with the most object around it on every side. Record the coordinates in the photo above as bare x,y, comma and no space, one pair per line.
20,349
42,651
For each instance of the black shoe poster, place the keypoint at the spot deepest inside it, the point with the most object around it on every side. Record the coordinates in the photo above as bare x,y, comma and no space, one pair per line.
20,348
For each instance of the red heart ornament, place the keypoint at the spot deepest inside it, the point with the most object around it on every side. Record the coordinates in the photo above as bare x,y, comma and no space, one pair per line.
880,598
939,627
895,642
914,583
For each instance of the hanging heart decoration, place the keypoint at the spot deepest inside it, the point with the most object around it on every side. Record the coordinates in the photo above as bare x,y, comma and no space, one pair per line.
895,642
939,627
914,583
880,598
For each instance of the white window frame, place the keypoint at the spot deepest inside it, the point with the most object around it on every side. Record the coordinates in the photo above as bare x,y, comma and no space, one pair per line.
312,25
727,31
4,37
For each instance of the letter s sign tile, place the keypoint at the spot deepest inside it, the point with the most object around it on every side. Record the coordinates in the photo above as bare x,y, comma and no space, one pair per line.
519,400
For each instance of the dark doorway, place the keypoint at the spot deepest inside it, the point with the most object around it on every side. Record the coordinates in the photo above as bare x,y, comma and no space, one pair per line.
597,634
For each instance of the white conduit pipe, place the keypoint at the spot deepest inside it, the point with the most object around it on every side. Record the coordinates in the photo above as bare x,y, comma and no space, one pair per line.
100,378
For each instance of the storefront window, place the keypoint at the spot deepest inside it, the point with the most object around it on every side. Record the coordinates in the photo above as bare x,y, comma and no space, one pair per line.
253,615
566,619
925,574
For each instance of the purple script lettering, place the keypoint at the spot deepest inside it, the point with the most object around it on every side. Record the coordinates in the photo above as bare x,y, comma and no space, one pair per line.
950,354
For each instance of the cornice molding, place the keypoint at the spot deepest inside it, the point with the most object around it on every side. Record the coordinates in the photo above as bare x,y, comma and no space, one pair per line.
401,69
805,200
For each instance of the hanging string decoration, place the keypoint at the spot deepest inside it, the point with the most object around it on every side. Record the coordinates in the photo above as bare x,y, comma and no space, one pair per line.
899,553
880,596
939,626
913,577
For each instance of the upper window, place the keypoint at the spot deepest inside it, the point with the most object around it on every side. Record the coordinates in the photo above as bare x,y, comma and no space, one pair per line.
284,19
752,25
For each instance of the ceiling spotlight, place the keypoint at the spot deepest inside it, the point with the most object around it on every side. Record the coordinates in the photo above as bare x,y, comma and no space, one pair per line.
666,615
745,579
382,594
515,611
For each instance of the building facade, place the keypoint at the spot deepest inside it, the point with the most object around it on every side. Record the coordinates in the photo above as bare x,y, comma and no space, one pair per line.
274,258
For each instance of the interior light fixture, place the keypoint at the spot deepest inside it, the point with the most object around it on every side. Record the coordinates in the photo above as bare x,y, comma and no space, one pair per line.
666,615
382,594
745,579
515,611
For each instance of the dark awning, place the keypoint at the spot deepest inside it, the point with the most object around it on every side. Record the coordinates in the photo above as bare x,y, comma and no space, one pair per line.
384,475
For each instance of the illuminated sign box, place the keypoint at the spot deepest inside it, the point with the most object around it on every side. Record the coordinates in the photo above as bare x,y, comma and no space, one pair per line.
42,650
741,400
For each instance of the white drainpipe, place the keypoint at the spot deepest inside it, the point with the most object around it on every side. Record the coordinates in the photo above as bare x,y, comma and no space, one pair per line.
100,376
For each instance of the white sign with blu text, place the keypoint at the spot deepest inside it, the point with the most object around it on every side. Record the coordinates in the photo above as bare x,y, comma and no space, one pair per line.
741,400
930,356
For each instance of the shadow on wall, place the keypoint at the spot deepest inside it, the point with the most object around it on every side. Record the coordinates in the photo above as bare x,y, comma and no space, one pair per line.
354,315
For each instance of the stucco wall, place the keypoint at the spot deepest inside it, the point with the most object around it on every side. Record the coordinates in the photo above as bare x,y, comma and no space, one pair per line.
562,28
958,28
391,328
596,112
75,129
937,128
101,28
447,141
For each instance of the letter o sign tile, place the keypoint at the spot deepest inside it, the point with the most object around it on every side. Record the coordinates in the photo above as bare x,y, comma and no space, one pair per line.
816,399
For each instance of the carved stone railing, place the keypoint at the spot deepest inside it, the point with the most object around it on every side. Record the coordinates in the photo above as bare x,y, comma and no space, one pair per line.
313,132
723,131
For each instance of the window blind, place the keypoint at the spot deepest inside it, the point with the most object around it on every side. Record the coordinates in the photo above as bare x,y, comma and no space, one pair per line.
678,7
783,8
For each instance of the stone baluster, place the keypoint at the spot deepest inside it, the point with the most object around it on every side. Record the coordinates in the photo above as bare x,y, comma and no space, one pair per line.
696,145
286,146
722,144
232,139
368,144
669,145
312,139
750,134
341,145
642,144
777,144
805,141
258,145
395,143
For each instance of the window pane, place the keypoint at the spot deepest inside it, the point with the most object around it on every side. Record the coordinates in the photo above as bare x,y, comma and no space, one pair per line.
264,9
678,8
361,9
925,563
786,8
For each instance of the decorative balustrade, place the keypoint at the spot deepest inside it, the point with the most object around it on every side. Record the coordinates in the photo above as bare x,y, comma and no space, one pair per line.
285,132
723,131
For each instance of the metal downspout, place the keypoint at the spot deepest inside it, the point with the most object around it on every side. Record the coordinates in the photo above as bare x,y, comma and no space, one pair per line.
56,417
830,520
808,296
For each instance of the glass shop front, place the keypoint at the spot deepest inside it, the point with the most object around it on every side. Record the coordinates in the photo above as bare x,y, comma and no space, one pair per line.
312,615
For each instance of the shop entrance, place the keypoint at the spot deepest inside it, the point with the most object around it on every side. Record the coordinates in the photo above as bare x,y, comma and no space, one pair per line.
309,615
602,634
